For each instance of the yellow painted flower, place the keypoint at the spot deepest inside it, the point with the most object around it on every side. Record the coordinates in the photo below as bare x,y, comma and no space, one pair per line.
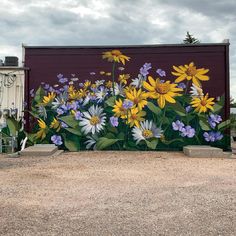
123,79
135,116
49,98
87,83
102,72
55,124
108,84
41,134
108,73
202,104
190,72
115,56
71,89
83,93
119,110
138,97
73,95
163,92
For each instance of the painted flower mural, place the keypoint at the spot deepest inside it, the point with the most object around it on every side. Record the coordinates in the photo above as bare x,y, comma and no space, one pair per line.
155,110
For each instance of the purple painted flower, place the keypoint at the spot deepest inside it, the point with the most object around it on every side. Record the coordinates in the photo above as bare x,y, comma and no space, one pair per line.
188,109
212,136
145,68
78,115
46,86
64,125
61,79
74,105
57,140
177,125
161,72
182,85
32,92
127,104
114,121
60,111
188,131
213,120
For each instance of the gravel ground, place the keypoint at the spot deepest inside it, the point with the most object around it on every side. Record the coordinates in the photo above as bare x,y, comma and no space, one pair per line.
117,193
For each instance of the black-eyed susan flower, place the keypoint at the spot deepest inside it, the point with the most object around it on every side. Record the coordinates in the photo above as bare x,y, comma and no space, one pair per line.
135,116
119,109
203,103
138,97
41,134
190,72
162,91
123,78
49,98
115,56
55,124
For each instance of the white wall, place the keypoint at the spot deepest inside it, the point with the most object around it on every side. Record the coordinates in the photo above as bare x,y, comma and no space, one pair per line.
12,89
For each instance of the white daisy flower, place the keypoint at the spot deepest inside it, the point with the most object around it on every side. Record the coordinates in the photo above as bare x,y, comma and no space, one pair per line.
196,91
93,120
119,90
138,82
99,82
146,131
101,93
91,142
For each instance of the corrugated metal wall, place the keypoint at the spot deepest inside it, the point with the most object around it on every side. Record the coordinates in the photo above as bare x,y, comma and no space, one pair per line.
12,81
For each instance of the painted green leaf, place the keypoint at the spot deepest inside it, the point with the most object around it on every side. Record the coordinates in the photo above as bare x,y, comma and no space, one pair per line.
224,125
167,142
39,94
13,126
72,143
111,101
104,142
69,120
152,144
204,125
73,131
178,109
155,109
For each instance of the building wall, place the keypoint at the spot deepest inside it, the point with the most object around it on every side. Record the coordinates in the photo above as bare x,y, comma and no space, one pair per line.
12,89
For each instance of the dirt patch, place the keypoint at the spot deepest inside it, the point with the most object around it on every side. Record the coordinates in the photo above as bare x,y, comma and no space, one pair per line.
112,193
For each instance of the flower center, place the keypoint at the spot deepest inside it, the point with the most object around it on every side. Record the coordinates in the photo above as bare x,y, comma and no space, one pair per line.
203,102
136,100
162,88
191,71
94,120
147,133
115,52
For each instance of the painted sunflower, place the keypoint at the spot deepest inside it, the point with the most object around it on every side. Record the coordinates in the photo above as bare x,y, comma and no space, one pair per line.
115,56
55,124
123,78
49,98
190,72
202,104
135,116
162,91
119,109
138,97
41,134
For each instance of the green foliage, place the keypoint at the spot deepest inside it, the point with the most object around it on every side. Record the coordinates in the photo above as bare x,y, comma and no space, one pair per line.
189,39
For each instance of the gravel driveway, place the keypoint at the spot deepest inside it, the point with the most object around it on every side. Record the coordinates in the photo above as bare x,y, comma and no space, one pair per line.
112,193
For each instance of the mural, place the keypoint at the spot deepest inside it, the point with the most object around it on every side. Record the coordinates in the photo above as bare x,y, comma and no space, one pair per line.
118,112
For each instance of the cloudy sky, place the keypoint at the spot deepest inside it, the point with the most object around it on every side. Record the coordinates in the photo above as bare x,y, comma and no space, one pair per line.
101,22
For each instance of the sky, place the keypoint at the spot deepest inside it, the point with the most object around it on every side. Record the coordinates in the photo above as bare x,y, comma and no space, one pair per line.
115,22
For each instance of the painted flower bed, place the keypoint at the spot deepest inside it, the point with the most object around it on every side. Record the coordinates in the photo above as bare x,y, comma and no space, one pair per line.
150,112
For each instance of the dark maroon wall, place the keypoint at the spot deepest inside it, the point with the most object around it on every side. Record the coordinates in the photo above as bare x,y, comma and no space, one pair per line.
46,62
